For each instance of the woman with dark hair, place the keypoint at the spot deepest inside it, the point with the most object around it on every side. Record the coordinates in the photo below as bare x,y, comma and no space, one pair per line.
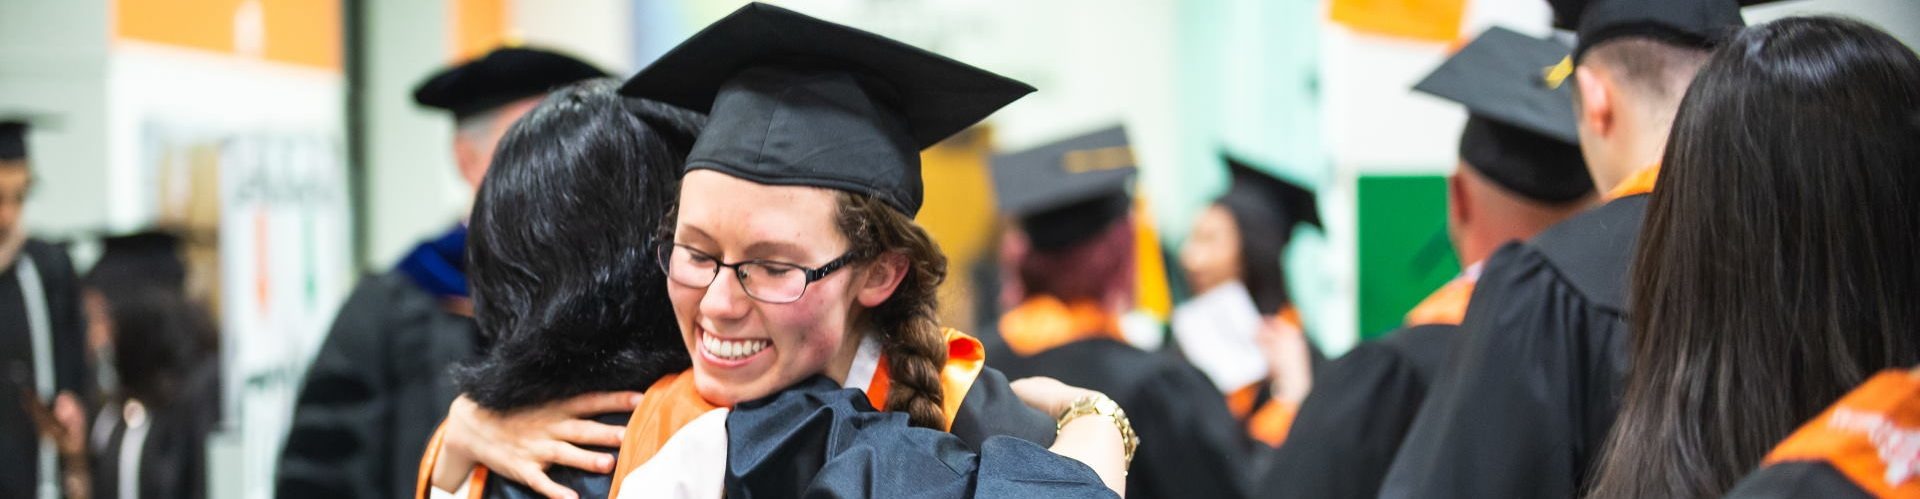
564,289
1776,268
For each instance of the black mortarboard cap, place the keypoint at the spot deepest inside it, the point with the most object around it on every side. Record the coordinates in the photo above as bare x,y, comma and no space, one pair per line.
14,125
1065,192
1285,204
13,140
1694,23
794,100
141,258
1520,126
500,77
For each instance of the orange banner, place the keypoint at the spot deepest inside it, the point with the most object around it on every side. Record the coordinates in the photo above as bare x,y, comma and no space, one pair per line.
300,32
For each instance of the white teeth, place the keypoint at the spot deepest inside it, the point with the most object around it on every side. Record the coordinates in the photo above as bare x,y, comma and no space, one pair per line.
731,349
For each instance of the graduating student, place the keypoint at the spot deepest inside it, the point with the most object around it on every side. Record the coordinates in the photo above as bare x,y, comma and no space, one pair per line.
794,270
152,433
1528,396
1073,209
1519,172
43,369
1776,270
379,383
1258,357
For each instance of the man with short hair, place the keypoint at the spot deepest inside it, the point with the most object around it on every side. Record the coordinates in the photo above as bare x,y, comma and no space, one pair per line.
380,383
1520,171
1527,398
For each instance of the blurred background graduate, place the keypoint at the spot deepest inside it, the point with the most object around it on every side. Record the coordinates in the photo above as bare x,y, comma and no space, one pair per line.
1075,252
1241,327
150,437
43,369
379,385
1520,171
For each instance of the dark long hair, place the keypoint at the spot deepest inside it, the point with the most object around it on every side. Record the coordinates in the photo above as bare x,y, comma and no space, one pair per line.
1776,268
559,252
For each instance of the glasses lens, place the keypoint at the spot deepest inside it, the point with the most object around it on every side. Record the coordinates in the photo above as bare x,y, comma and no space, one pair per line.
689,268
773,282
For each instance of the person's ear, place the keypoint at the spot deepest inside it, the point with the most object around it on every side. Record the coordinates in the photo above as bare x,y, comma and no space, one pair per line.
881,278
1595,107
467,156
1459,200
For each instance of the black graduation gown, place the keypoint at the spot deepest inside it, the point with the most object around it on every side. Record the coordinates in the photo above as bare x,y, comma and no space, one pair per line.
1347,431
19,437
173,454
1531,389
1190,445
1797,480
819,440
375,393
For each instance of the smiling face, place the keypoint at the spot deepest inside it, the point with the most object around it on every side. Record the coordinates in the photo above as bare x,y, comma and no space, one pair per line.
742,348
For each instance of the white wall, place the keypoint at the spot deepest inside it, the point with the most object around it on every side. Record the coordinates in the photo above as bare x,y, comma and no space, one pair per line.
53,59
1901,18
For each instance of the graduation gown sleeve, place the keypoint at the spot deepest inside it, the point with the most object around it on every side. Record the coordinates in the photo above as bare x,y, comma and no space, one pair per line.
1530,390
990,409
1348,430
375,392
818,440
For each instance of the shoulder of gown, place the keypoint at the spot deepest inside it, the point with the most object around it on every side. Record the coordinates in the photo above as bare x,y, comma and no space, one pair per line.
818,440
991,409
1528,394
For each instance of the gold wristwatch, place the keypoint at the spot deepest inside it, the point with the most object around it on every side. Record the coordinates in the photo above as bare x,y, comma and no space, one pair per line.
1100,405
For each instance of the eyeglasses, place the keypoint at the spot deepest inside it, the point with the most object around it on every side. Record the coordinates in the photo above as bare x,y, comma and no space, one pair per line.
766,281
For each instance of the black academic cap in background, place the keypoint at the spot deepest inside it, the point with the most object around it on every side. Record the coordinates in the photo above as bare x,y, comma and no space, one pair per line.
794,100
13,140
1065,192
1520,125
1693,23
1280,203
14,127
500,77
143,258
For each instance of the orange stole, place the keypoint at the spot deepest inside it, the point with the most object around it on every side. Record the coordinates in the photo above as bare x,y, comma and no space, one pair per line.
1862,432
477,489
965,359
673,401
1641,182
1447,305
668,405
1044,322
1273,420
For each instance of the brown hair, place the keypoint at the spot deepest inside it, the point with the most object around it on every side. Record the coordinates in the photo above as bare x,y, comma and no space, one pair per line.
909,330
